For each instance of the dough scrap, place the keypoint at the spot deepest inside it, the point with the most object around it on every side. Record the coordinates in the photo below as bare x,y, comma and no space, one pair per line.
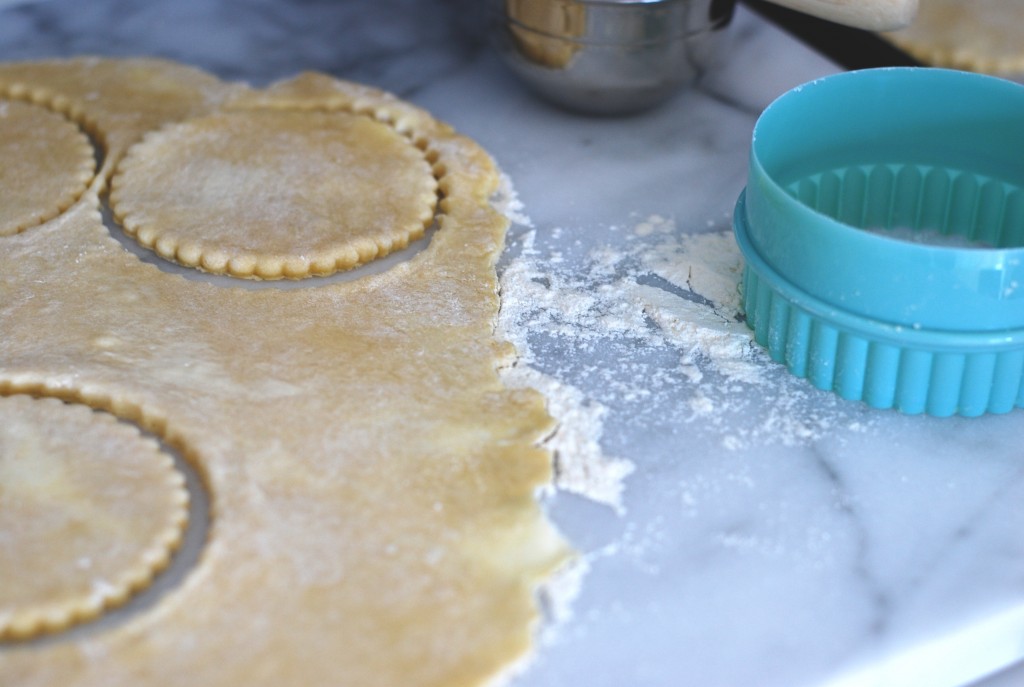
372,481
91,511
980,35
63,165
275,193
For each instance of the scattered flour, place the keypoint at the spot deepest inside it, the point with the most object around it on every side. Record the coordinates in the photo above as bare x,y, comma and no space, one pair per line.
640,333
580,465
656,290
506,201
558,595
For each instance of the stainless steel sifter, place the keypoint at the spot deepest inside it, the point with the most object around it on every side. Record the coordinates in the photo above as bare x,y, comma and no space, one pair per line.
608,56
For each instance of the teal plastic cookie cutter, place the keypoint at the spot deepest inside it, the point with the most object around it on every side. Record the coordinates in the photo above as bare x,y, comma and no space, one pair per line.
843,170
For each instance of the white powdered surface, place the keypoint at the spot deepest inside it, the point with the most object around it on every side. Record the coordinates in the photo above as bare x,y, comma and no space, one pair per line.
506,201
580,464
659,294
637,339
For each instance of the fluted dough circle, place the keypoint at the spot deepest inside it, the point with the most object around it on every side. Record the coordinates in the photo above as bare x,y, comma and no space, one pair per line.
91,510
315,192
62,159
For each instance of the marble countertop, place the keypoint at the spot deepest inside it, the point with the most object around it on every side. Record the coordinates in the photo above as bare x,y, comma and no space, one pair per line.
867,548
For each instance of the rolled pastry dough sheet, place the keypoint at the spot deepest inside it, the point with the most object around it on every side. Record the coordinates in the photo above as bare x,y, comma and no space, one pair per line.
372,482
976,35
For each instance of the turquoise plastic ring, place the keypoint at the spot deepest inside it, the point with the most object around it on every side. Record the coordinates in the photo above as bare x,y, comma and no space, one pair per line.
882,228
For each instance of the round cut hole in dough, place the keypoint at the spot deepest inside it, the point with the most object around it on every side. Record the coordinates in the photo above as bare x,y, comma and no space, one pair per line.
273,194
62,164
91,510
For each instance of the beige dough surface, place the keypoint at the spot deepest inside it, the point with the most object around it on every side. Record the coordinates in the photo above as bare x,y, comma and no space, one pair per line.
63,164
314,191
91,511
977,35
371,480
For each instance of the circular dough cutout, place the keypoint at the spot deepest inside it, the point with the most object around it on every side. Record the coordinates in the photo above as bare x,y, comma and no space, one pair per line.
56,164
273,194
90,511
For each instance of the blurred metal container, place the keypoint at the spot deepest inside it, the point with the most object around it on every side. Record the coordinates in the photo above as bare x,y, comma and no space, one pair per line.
608,56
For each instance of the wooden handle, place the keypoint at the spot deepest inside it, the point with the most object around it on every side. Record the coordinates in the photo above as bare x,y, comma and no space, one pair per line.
873,15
